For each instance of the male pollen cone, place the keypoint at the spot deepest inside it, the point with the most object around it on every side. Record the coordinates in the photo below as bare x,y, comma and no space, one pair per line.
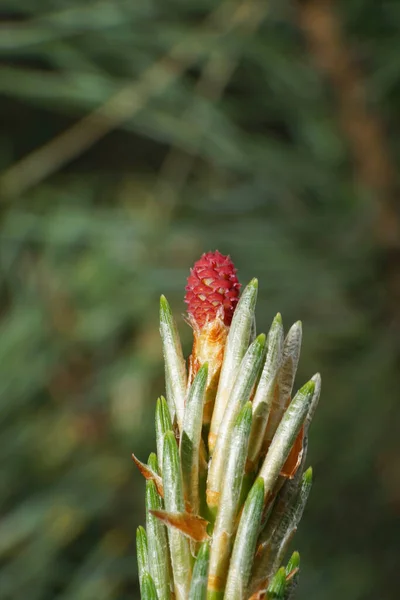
212,289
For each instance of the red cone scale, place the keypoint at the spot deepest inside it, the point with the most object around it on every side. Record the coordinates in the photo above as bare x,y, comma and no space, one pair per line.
212,289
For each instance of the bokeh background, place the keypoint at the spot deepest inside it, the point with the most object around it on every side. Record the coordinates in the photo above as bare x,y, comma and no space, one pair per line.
137,134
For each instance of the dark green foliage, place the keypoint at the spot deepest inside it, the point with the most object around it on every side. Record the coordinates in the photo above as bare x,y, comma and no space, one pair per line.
254,161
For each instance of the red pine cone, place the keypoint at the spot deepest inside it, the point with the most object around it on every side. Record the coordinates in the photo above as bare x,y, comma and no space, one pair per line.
212,288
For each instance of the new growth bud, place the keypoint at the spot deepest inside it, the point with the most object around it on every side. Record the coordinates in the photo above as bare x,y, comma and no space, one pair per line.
212,293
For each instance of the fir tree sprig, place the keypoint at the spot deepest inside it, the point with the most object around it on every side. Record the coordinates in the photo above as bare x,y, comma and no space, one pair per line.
227,488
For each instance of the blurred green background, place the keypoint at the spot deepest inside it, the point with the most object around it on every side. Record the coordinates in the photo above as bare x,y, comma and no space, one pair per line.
137,134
